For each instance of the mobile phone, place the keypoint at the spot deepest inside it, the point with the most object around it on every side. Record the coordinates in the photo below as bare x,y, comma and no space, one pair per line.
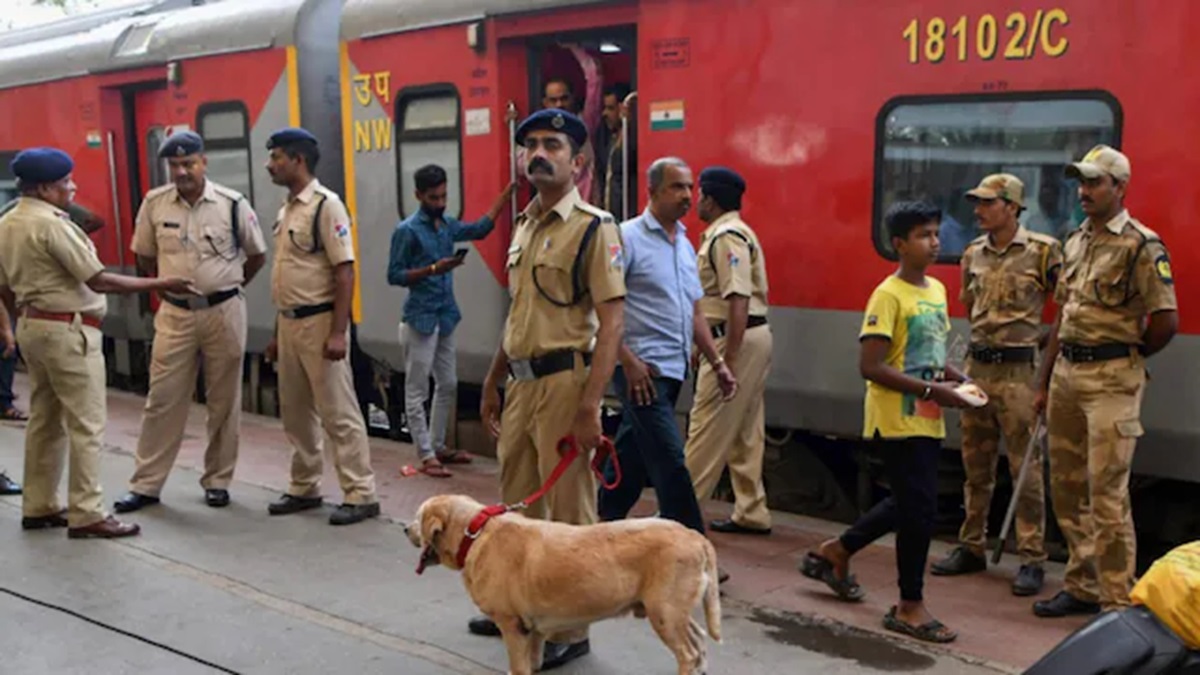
461,253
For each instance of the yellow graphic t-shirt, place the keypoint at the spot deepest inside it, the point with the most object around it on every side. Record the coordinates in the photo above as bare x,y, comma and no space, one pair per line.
916,321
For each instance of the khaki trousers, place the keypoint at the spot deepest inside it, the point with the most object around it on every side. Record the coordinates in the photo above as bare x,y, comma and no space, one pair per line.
733,432
218,335
1009,413
1094,417
537,414
314,394
67,408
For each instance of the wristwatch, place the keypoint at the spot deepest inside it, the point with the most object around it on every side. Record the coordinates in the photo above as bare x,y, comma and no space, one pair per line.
928,390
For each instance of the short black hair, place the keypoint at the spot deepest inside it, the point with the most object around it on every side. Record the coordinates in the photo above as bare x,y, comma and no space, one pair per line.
905,216
620,90
306,149
727,199
558,80
428,177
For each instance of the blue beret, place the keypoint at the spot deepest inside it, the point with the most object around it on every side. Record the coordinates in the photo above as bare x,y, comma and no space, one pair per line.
290,135
721,179
41,165
553,119
181,144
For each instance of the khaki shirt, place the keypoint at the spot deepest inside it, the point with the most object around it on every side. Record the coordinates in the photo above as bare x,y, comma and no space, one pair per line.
197,241
46,260
299,275
1114,275
545,244
1005,290
731,265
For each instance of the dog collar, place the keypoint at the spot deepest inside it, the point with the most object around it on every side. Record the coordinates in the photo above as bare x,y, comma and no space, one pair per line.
475,528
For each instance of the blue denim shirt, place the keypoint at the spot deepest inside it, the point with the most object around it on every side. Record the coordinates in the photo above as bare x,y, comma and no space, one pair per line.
418,243
662,286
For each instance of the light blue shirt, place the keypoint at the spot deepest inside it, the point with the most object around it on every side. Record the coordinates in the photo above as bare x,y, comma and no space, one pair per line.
662,286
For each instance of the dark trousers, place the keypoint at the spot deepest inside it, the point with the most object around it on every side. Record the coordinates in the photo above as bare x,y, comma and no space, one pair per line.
649,444
911,467
8,369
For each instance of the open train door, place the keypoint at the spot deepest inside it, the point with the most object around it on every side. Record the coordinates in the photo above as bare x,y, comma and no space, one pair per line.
583,60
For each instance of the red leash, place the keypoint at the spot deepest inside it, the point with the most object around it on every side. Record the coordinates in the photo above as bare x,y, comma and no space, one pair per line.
569,450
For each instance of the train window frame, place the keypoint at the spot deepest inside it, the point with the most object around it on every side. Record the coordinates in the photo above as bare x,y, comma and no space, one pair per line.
156,167
878,238
8,180
404,98
240,143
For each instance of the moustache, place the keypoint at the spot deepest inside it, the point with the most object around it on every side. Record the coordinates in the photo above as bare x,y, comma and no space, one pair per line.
539,164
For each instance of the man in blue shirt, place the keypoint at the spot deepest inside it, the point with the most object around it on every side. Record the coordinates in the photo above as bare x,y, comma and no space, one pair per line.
661,323
422,257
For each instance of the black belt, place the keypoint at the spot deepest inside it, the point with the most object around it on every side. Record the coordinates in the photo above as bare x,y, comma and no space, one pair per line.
305,311
1086,353
718,329
984,354
549,364
202,301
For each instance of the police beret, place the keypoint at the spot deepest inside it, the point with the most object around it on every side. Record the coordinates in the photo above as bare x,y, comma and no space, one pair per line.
181,144
719,178
41,165
290,135
553,119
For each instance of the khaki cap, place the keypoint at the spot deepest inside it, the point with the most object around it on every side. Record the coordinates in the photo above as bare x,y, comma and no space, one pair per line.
1000,186
1098,161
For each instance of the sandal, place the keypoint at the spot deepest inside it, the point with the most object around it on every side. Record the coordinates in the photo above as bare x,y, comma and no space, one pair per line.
820,568
454,457
932,631
433,469
14,415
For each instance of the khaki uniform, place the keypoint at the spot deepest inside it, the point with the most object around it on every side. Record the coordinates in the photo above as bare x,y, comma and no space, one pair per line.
46,259
312,388
1005,292
731,262
195,242
1115,274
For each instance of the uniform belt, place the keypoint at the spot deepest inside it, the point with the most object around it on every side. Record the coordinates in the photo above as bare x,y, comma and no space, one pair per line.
1087,353
984,354
65,317
718,329
549,364
202,302
305,311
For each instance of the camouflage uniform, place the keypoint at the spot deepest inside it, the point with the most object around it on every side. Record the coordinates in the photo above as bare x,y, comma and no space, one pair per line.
1004,292
1115,275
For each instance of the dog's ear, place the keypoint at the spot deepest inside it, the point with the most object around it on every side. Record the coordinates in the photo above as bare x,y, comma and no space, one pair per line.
432,525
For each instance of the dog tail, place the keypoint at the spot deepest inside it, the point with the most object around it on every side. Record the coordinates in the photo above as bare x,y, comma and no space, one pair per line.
712,594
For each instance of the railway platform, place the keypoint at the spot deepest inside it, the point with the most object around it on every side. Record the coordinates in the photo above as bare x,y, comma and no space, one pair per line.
302,572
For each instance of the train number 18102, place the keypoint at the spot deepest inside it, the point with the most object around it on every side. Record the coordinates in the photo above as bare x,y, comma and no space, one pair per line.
1022,38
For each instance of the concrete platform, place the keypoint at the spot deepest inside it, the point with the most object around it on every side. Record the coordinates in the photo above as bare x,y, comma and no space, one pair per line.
252,593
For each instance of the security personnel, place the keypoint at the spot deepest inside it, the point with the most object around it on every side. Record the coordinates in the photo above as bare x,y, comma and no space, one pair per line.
733,273
188,228
1117,307
50,275
566,277
312,284
1007,276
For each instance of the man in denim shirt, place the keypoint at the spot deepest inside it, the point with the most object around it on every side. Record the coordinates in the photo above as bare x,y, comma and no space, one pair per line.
661,322
422,256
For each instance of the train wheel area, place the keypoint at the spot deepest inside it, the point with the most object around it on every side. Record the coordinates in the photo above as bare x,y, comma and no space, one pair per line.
998,632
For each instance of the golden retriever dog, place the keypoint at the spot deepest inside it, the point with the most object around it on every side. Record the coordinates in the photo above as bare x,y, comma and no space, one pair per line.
536,578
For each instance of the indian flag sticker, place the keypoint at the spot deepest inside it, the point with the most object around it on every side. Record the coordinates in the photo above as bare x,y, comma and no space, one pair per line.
93,139
666,116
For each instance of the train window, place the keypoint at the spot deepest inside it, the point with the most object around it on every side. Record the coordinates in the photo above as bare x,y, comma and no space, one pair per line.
226,132
156,167
938,149
428,132
8,182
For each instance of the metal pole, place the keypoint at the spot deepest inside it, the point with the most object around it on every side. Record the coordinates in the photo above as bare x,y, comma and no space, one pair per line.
112,179
512,156
1032,454
625,168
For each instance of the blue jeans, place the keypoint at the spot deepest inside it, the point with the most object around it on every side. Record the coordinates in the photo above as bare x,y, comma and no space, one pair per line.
649,444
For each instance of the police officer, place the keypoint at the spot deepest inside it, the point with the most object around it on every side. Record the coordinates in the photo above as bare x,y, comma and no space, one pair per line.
49,270
733,273
1117,307
209,232
566,277
312,284
1007,275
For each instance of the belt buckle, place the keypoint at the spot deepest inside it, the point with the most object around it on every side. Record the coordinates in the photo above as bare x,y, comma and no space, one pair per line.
198,302
997,357
288,313
522,370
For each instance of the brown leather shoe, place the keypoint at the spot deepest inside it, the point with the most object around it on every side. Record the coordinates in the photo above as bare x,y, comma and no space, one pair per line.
109,528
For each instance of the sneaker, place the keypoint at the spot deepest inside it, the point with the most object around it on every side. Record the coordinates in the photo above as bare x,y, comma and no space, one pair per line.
1029,580
960,561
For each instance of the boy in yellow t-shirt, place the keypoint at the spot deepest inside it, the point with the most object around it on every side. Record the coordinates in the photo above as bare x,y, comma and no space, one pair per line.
903,358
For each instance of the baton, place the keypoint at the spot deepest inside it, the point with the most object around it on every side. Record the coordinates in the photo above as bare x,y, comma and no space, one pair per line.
1030,458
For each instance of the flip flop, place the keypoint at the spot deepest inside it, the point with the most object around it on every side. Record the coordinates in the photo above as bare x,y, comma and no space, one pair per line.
819,568
14,415
435,471
454,457
931,631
